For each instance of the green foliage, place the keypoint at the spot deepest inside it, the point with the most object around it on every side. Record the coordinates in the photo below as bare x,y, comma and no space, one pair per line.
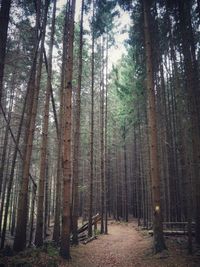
97,232
123,87
104,15
125,4
136,38
48,255
59,27
28,6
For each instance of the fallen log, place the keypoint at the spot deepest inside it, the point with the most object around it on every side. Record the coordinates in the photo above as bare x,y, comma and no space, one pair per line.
80,238
84,227
83,236
175,226
177,223
172,232
90,239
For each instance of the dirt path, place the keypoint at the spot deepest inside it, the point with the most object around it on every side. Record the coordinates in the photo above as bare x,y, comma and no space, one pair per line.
125,246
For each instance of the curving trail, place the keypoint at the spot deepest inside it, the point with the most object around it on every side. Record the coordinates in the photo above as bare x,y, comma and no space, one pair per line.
125,246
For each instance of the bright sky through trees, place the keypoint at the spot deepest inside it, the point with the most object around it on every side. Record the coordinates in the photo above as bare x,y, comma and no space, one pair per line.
122,24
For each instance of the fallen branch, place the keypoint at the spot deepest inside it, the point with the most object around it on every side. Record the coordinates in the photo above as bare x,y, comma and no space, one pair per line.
171,232
95,219
90,239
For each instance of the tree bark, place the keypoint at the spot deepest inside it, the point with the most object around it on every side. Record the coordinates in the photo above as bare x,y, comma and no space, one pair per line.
159,243
193,93
125,175
13,164
44,142
91,139
77,138
107,167
66,141
22,210
3,182
102,148
4,20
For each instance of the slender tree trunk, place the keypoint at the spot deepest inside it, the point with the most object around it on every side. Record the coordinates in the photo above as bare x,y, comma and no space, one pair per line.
166,165
192,84
102,148
22,211
159,243
32,214
125,177
56,229
4,155
14,207
106,144
44,141
66,142
77,137
3,159
4,20
13,164
59,175
91,139
46,200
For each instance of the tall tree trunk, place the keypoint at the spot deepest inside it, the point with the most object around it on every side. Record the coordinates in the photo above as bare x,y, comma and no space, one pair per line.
159,243
3,159
46,200
32,214
13,213
77,138
44,141
13,164
125,175
59,174
4,20
22,210
192,84
66,142
91,178
107,167
56,229
4,152
102,148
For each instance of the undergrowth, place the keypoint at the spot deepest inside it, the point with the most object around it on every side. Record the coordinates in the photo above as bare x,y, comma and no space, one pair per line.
48,255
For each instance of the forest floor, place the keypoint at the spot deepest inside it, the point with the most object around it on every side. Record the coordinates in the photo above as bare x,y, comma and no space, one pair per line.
124,246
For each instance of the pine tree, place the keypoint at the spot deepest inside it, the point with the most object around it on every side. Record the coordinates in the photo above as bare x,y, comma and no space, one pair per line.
66,135
91,179
44,141
22,210
4,20
159,243
76,156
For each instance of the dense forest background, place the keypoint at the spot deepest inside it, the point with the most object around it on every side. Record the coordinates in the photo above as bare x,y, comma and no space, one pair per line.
79,136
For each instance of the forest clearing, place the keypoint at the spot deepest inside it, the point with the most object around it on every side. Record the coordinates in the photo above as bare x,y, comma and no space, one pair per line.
99,133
